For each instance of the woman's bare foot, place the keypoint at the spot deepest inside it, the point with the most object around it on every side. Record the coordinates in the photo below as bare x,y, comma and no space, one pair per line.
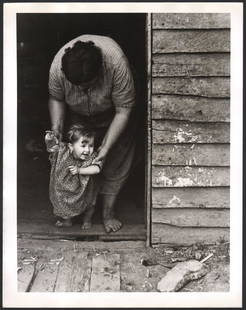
112,225
63,223
86,225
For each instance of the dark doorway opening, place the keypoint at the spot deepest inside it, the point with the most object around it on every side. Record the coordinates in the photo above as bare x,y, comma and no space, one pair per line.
39,37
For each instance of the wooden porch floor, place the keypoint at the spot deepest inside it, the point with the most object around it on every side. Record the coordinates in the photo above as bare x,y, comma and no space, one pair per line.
76,266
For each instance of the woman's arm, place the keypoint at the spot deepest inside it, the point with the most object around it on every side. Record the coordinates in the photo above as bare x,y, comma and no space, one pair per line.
57,115
116,128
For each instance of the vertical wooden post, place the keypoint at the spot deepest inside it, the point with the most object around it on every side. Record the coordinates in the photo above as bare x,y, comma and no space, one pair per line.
148,162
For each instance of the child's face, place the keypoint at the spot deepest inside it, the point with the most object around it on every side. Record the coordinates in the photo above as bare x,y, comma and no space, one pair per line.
83,147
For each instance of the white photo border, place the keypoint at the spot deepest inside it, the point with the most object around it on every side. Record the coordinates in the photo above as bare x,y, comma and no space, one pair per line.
12,298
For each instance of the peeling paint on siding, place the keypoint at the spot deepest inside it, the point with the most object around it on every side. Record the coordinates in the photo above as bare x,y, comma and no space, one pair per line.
184,182
182,136
163,179
174,202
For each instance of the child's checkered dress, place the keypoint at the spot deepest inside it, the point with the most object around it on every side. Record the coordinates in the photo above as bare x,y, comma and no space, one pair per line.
70,194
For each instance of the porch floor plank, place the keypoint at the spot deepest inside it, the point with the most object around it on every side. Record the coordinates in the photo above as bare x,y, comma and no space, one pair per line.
46,276
135,276
105,273
74,272
25,276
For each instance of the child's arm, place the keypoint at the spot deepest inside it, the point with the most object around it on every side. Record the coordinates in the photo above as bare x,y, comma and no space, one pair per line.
90,170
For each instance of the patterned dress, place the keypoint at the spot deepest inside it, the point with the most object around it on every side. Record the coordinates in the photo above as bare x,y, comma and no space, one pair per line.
70,194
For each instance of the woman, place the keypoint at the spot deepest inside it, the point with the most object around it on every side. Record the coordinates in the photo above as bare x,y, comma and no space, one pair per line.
90,82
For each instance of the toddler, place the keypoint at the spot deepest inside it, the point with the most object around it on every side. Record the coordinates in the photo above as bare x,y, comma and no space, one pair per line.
73,187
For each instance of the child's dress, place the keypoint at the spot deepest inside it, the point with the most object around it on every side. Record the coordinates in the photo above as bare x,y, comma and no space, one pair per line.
70,194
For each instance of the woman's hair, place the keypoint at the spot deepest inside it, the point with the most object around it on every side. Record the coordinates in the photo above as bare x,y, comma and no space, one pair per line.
82,62
77,131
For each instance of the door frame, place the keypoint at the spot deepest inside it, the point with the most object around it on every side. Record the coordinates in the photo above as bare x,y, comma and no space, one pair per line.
148,161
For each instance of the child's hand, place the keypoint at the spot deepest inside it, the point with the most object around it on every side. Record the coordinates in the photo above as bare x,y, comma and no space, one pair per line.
74,169
51,141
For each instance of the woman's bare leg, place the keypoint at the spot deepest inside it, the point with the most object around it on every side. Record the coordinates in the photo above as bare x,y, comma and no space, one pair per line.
109,221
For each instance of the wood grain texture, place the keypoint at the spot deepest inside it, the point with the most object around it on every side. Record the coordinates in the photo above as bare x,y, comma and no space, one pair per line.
191,41
105,274
165,65
43,229
217,87
190,176
195,109
190,20
192,217
186,236
25,276
46,277
185,132
134,275
191,155
74,272
218,197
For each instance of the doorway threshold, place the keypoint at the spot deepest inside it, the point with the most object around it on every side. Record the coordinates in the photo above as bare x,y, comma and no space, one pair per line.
42,230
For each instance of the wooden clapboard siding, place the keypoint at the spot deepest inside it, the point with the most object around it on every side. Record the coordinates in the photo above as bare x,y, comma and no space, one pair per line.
190,128
192,217
204,87
190,176
186,132
167,65
191,41
162,233
190,108
191,155
191,20
208,197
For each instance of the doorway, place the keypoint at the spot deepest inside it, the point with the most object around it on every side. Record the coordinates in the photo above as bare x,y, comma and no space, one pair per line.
39,37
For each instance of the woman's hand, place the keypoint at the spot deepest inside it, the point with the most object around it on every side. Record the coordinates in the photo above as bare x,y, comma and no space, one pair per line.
74,169
57,134
102,154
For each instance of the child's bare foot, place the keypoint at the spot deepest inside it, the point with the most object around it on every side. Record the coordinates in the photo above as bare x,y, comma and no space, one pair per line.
86,225
64,223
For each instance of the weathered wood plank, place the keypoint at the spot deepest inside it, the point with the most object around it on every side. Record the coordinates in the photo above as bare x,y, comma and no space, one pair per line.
42,228
105,274
191,197
182,132
74,272
191,65
205,87
46,276
190,176
191,155
191,41
136,277
25,276
186,236
191,20
198,109
70,245
192,217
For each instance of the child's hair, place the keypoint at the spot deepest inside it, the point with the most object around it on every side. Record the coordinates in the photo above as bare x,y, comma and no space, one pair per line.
77,131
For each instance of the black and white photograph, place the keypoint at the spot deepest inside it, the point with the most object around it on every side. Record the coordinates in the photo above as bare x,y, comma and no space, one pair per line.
122,154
